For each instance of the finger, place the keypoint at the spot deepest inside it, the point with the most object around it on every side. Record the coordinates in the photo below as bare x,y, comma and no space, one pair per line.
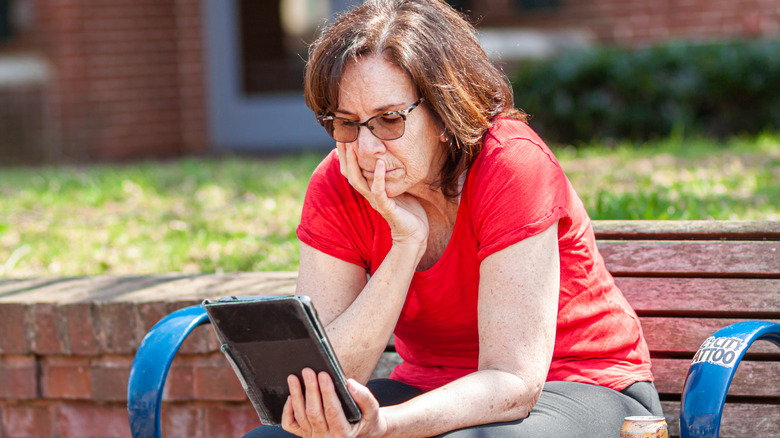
298,403
368,404
314,414
334,413
378,186
341,152
289,424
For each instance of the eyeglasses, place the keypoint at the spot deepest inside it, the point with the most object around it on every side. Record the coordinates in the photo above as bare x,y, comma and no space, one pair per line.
386,126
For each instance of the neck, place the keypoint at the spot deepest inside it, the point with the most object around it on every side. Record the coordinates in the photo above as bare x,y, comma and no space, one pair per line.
433,200
441,209
438,207
442,213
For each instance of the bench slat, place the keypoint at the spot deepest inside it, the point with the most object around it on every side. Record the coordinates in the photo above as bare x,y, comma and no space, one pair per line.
692,259
678,336
685,230
669,377
745,298
683,336
752,379
739,420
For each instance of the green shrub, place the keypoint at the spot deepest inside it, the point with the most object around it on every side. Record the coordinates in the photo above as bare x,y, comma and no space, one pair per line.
715,89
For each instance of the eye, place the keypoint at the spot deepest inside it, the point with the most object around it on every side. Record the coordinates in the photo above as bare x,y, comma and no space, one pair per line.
391,119
339,122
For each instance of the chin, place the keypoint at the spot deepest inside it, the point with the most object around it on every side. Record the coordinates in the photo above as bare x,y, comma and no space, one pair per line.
392,189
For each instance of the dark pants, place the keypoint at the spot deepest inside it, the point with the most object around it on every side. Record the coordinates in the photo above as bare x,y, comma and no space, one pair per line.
564,409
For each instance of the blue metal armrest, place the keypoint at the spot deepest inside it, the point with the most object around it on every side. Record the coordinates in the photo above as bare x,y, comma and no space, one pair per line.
711,371
150,368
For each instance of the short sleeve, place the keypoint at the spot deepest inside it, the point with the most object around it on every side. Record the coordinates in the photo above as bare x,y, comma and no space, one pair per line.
335,218
517,189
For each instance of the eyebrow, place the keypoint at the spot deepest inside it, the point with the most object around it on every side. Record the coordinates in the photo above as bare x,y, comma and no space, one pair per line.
379,110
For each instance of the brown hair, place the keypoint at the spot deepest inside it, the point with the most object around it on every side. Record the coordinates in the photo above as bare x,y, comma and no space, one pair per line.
439,50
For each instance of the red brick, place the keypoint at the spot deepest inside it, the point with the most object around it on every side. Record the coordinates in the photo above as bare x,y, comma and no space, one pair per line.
183,422
115,327
49,338
126,33
80,329
201,340
147,315
179,382
26,421
13,333
18,377
66,377
232,421
109,376
80,420
214,379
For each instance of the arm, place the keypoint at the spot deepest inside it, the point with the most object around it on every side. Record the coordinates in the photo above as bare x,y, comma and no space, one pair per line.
518,305
359,316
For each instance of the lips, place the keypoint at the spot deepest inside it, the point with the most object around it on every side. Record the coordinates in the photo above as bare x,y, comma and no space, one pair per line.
370,173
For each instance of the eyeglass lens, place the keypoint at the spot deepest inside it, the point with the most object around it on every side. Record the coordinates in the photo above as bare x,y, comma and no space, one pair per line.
389,127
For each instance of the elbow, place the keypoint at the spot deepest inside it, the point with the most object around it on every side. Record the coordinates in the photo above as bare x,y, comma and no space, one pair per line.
526,400
520,395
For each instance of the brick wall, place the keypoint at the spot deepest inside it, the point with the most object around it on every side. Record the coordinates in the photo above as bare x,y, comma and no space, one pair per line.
66,347
23,122
637,22
128,79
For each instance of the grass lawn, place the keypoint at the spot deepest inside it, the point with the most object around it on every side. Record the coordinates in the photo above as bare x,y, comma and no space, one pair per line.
240,214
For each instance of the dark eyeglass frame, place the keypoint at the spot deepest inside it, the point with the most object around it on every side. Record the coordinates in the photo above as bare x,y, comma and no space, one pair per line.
403,113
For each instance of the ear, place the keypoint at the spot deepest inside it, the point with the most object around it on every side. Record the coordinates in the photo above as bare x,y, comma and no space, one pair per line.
444,137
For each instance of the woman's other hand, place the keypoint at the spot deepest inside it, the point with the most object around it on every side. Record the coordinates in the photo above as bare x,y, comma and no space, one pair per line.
315,410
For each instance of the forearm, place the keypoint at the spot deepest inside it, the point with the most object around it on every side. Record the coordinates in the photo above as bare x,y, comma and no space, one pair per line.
487,396
360,333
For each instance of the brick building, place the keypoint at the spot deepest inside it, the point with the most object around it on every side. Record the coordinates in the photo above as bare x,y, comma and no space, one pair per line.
91,80
637,22
120,79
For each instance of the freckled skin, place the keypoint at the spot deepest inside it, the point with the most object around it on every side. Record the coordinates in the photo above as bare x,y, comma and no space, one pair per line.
371,86
518,287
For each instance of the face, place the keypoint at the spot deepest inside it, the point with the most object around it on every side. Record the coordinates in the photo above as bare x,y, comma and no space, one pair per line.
370,86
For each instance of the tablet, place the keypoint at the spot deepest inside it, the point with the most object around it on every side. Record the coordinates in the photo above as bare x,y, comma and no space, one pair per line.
268,338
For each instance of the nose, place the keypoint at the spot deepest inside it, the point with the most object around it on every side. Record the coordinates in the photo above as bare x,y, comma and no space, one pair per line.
368,144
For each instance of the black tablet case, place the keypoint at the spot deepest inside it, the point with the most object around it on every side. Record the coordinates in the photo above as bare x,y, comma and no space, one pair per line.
266,339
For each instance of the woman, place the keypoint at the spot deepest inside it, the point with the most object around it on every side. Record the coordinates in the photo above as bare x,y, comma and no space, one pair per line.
481,257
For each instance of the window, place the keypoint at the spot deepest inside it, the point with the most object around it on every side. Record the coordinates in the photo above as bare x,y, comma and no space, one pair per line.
5,20
537,5
16,18
274,37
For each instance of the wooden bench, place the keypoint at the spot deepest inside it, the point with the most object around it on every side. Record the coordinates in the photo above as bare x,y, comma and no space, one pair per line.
686,280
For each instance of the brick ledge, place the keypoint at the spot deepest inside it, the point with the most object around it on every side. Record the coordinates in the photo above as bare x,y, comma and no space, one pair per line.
144,288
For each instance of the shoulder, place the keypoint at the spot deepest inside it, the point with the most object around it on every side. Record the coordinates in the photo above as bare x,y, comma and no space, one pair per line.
329,193
327,182
328,169
512,146
504,129
335,218
515,188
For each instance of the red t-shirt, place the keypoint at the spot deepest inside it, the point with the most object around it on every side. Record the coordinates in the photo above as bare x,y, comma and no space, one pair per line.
515,189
